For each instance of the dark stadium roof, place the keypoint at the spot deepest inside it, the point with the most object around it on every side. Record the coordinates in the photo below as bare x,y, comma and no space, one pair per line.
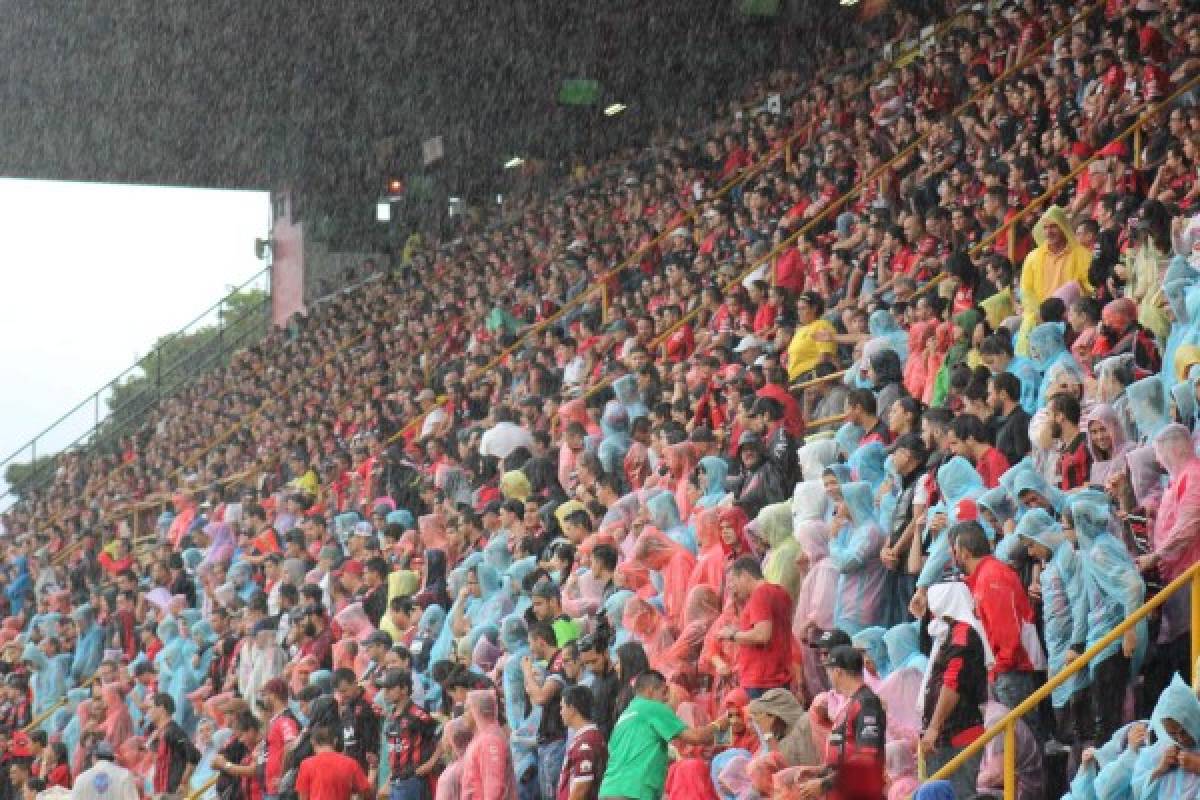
334,94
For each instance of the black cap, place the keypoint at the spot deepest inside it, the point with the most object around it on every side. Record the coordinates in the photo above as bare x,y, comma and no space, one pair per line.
546,588
104,751
845,657
828,640
314,608
390,679
702,434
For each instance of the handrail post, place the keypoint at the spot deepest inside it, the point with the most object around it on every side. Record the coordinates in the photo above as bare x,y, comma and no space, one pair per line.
1195,627
1010,761
1137,144
603,302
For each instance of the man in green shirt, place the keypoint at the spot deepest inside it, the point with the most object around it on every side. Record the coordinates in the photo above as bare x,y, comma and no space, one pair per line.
637,761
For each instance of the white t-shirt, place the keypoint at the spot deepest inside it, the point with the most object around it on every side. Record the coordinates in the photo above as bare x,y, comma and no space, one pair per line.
502,438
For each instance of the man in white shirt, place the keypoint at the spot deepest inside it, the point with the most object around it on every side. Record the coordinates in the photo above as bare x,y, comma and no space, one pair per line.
105,780
505,436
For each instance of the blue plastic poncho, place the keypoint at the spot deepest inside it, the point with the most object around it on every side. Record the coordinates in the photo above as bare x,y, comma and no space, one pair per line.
614,424
867,463
89,649
664,515
1112,586
715,470
1062,588
957,481
854,552
871,642
630,397
1148,405
47,679
1179,703
1049,353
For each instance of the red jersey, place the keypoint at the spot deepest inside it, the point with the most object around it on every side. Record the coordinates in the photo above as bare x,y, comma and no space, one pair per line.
331,776
584,762
1002,606
767,666
280,732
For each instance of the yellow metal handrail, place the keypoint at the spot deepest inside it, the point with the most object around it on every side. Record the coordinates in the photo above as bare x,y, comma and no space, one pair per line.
1008,725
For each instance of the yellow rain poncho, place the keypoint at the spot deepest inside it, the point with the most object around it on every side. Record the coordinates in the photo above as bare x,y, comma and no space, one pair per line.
1044,273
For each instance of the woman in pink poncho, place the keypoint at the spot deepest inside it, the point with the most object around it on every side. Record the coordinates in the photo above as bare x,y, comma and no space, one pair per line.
681,459
916,366
117,725
646,625
673,563
814,601
711,562
1177,528
487,768
681,663
457,738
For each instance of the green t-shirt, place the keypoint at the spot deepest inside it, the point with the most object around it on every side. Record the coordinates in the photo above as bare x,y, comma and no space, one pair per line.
565,631
637,751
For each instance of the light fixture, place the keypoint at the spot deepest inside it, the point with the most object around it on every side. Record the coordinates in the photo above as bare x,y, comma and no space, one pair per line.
383,211
395,187
514,162
849,2
614,109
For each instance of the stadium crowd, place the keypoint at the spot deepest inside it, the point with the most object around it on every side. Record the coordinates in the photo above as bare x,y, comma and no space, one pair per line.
766,519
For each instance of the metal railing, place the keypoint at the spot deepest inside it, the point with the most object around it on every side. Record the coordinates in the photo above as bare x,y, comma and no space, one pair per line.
1008,725
89,420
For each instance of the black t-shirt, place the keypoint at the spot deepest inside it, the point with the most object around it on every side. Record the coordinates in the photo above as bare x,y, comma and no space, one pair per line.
552,728
959,666
604,700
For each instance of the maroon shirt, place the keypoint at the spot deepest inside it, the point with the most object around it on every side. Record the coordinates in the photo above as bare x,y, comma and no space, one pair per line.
585,761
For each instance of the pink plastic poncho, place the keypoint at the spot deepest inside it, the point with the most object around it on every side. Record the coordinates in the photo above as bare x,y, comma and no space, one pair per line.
1177,529
834,705
645,624
702,609
681,460
689,777
762,770
354,622
1104,415
901,762
449,785
711,562
487,768
734,778
636,578
432,529
916,368
118,725
673,563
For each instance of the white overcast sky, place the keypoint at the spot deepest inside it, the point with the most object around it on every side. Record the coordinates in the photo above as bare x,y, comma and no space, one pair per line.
93,273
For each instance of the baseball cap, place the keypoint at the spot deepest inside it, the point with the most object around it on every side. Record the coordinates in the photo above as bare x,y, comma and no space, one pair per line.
828,640
266,625
390,679
352,566
748,343
104,750
546,588
845,657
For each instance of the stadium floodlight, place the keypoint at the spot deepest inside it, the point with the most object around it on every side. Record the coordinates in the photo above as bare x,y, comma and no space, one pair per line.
849,2
514,162
614,109
383,211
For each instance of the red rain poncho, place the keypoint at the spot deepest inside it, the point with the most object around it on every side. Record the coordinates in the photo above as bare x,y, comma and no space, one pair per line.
702,609
674,563
645,624
736,700
689,777
449,785
711,562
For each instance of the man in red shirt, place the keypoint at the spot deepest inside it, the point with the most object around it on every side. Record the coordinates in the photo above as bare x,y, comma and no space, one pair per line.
249,733
764,632
969,439
329,775
282,732
1002,606
1075,459
586,758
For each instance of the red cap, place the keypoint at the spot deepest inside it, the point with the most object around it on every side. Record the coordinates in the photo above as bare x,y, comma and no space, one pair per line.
350,567
966,510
